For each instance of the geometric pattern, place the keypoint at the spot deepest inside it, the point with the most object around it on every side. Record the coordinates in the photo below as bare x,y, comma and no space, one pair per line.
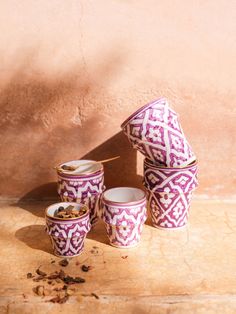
155,131
124,223
85,189
169,210
67,237
178,180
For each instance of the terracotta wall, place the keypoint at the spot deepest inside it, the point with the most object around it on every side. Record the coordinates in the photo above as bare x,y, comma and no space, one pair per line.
72,71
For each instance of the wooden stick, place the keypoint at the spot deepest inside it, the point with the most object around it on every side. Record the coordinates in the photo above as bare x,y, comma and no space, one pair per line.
89,163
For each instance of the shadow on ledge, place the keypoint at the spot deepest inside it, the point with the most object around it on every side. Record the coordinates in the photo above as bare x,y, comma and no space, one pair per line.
35,203
98,233
35,237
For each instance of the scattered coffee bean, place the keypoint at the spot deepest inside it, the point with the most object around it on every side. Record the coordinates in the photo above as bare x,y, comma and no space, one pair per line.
40,272
85,268
39,290
70,280
95,295
91,295
63,262
29,275
61,282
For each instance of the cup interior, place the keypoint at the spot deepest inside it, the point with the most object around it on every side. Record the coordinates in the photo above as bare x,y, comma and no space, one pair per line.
123,195
88,168
50,211
155,165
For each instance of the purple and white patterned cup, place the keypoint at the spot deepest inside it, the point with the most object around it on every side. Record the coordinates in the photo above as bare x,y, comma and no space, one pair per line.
155,131
169,193
67,235
124,214
84,185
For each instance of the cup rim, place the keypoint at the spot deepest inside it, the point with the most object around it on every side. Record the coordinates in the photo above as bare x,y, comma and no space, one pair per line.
153,191
137,202
148,162
67,176
70,173
146,106
66,219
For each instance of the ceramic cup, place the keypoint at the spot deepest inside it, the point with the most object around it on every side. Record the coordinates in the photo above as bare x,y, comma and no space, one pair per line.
84,185
124,214
67,235
169,193
155,131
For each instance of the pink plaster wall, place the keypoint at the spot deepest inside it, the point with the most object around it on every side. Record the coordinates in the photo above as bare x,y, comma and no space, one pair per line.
72,71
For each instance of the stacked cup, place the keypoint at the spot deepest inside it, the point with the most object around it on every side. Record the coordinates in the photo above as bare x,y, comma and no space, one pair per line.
84,185
170,167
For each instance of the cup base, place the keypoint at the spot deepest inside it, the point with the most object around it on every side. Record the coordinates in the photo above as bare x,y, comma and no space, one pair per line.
172,228
68,256
124,246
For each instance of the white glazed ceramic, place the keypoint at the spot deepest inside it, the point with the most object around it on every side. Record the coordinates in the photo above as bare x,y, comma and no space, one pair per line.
124,214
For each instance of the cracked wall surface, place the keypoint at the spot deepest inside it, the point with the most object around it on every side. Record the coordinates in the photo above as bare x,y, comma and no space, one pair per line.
71,72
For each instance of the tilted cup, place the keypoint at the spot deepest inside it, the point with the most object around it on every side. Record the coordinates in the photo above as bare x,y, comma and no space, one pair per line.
155,131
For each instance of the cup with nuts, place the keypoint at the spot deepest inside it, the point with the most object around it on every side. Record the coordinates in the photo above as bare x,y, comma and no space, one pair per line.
67,224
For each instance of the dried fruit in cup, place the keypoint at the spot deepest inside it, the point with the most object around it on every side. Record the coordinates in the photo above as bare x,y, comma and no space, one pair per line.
69,212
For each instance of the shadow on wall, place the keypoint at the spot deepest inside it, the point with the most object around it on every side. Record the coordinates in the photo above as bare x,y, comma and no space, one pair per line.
116,172
40,117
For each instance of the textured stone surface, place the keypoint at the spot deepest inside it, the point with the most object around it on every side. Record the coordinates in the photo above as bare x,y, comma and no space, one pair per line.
70,74
186,271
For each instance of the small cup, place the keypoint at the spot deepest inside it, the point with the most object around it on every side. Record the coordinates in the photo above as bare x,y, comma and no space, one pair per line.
155,131
84,185
67,234
124,214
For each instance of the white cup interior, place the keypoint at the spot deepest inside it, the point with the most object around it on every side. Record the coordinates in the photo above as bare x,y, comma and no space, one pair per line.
52,209
92,167
123,195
